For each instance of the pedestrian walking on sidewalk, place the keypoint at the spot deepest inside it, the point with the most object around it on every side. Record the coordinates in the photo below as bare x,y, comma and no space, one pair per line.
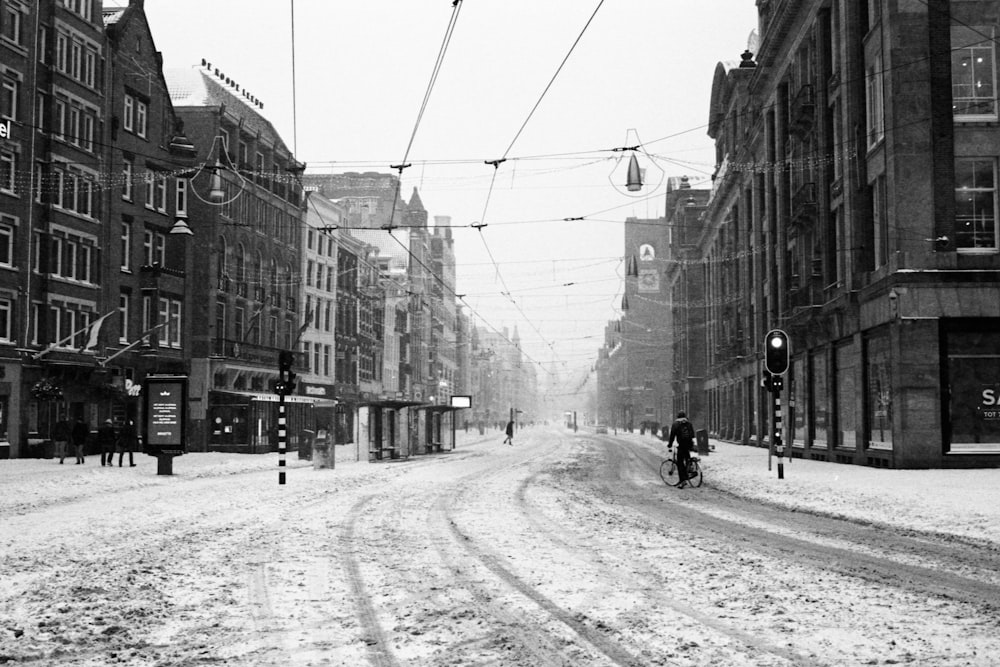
509,440
61,434
80,433
127,441
106,440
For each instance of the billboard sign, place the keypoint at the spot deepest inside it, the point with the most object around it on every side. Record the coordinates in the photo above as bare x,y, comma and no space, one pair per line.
461,401
166,397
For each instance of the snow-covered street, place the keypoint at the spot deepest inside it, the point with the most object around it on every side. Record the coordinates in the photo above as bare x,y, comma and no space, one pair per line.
565,549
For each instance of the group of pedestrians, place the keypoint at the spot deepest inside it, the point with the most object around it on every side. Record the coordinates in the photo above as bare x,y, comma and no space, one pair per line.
108,439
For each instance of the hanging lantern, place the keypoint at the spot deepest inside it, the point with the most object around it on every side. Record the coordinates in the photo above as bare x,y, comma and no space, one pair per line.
633,182
217,194
632,267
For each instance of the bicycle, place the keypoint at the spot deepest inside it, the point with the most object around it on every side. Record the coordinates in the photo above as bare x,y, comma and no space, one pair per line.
669,471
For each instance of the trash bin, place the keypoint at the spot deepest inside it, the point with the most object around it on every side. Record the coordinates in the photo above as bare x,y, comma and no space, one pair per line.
322,454
4,450
701,437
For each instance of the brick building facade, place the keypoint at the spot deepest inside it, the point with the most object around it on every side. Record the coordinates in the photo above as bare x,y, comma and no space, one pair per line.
854,206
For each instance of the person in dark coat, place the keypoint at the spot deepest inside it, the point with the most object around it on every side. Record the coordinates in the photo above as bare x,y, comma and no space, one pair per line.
61,434
80,433
683,432
106,439
509,440
127,441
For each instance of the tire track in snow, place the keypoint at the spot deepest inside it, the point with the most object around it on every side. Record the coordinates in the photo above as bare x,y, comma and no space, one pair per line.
581,549
878,566
378,646
611,650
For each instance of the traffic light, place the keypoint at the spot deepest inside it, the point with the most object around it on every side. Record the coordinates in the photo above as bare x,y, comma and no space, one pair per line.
290,383
776,351
285,360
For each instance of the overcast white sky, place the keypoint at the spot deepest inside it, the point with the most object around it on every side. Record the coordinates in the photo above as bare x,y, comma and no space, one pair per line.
640,73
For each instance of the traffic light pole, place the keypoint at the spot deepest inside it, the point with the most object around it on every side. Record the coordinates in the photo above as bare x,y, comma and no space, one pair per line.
282,438
284,386
779,444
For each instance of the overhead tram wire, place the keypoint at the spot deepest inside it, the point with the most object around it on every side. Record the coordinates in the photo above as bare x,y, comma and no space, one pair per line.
496,167
456,7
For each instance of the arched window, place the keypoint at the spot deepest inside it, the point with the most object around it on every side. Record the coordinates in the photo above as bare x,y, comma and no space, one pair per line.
222,263
241,261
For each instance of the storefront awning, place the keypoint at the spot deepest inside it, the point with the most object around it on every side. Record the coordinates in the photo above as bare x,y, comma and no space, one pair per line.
268,397
391,403
439,408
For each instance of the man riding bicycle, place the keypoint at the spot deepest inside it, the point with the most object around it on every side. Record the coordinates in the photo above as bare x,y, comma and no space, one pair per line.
683,432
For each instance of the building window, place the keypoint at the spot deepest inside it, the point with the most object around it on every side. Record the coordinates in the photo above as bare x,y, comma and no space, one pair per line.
126,263
874,103
140,118
12,24
8,171
880,221
88,132
8,97
62,51
76,60
89,67
239,322
71,257
975,205
220,319
973,73
181,198
59,131
6,317
123,316
74,190
170,312
127,175
154,246
160,194
147,315
128,112
7,240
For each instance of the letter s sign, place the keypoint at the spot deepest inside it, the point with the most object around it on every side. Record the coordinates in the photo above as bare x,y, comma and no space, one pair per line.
989,397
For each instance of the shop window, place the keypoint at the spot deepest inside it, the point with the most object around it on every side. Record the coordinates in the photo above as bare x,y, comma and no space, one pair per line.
878,393
973,354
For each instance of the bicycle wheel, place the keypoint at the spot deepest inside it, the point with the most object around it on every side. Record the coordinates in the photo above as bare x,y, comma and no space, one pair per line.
694,473
668,472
